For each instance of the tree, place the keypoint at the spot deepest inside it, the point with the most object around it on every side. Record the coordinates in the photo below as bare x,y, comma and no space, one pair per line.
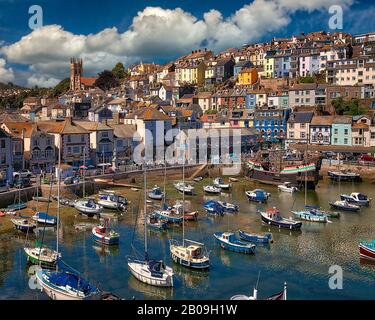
106,80
119,71
349,108
61,87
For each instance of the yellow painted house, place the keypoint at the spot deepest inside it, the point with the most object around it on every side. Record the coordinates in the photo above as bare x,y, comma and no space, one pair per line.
269,66
193,73
247,77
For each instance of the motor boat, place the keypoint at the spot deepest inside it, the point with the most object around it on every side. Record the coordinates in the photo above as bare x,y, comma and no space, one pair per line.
287,187
184,188
258,195
356,198
219,183
345,206
88,207
212,189
272,217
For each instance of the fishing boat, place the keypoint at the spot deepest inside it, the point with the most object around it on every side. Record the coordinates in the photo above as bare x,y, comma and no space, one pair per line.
88,207
154,223
356,198
367,249
169,215
311,215
252,237
156,194
219,183
44,218
344,175
287,187
111,201
184,188
272,217
229,241
212,189
42,255
344,206
258,195
42,199
228,207
64,285
191,255
104,235
213,207
23,225
17,206
152,272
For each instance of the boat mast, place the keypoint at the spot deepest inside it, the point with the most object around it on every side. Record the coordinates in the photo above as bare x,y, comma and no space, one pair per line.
58,197
183,198
84,172
165,180
145,210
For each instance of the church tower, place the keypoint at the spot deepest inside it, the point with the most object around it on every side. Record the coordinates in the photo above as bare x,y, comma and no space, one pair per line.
76,71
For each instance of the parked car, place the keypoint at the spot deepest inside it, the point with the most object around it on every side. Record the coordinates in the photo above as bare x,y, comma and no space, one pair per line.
22,183
22,174
366,157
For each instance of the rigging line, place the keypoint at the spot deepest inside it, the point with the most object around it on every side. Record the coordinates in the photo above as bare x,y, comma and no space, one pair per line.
45,225
135,223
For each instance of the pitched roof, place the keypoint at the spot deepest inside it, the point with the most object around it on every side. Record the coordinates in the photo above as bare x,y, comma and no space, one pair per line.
322,120
62,127
123,130
88,82
342,120
17,128
93,126
301,117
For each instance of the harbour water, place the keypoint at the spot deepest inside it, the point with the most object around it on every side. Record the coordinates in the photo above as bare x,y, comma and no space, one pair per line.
302,259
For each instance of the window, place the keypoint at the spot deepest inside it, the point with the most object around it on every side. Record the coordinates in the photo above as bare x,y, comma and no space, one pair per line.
76,150
303,125
291,135
346,132
82,138
2,143
336,131
291,125
303,135
105,134
372,135
335,140
345,140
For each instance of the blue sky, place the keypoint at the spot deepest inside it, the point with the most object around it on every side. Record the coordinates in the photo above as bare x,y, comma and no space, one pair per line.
104,32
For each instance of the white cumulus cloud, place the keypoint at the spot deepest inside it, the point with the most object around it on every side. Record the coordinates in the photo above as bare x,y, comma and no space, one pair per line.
154,32
6,74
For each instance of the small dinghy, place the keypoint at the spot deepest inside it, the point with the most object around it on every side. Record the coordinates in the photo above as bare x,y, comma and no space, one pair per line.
214,208
344,206
156,194
88,207
272,217
23,225
198,179
184,188
42,199
17,206
219,183
233,179
44,218
229,241
287,187
356,198
311,215
258,195
256,238
367,249
228,207
278,296
178,209
104,235
120,198
156,224
212,189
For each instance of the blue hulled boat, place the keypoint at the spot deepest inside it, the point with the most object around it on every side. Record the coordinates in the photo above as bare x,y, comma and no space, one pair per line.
258,195
228,207
229,241
311,215
252,237
44,218
345,206
156,224
213,207
169,215
17,206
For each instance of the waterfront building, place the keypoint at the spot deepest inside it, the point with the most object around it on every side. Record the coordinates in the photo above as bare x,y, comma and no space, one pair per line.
320,130
299,127
6,161
342,131
271,122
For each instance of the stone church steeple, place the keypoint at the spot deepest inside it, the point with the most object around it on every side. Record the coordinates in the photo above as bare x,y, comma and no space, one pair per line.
76,72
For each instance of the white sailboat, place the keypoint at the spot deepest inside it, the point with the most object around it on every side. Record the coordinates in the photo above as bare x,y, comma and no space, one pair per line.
152,272
189,253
